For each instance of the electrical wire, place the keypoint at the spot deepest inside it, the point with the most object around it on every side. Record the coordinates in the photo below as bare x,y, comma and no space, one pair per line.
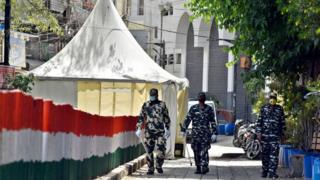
208,38
175,32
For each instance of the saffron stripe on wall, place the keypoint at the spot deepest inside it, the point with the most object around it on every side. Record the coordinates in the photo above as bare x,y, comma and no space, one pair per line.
68,169
45,116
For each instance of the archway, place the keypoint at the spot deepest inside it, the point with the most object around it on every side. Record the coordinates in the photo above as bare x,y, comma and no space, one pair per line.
181,37
194,66
218,72
181,42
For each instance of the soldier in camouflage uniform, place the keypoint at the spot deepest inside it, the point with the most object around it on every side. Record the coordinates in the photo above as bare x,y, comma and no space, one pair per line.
203,127
154,114
270,129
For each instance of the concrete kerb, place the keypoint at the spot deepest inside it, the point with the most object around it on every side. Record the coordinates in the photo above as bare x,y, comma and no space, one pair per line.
125,169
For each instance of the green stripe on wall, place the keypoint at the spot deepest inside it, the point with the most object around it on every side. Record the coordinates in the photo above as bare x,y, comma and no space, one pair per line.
69,169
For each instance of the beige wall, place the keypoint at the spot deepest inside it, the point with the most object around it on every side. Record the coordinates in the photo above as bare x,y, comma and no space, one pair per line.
123,99
113,98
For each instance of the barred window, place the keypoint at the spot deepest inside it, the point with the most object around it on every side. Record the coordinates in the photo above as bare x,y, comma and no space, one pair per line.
141,7
171,59
178,61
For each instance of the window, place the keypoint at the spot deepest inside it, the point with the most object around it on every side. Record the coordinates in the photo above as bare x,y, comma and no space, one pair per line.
156,32
178,59
167,12
165,59
170,10
141,8
87,5
129,7
171,59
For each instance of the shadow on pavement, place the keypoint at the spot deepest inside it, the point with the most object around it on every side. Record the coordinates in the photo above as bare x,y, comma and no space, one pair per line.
226,162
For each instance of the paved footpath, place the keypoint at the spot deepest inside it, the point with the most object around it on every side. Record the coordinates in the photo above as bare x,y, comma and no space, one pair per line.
226,162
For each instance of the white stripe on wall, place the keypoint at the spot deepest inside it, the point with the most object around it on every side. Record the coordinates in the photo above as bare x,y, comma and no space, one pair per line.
30,145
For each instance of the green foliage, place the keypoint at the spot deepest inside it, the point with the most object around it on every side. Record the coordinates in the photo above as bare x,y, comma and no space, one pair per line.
215,100
304,15
254,86
260,101
268,32
22,82
313,86
31,15
299,111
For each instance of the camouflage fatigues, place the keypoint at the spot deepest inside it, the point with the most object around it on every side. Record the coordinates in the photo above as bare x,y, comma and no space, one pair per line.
156,118
271,126
203,125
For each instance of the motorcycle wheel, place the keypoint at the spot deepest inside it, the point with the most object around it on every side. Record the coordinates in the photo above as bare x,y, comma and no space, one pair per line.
236,143
253,149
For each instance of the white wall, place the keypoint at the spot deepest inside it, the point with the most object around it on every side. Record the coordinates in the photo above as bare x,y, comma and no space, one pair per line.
176,40
178,22
133,16
61,92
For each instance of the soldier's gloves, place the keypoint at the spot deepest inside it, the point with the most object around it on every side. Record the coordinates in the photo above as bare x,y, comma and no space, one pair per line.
166,133
214,138
138,133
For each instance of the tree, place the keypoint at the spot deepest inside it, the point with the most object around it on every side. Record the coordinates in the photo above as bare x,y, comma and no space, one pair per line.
32,16
20,81
282,38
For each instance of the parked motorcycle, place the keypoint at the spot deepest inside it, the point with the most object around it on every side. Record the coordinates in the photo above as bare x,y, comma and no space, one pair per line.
245,136
239,131
252,144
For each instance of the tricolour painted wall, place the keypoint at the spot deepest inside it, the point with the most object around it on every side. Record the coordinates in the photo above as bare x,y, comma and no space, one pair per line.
41,140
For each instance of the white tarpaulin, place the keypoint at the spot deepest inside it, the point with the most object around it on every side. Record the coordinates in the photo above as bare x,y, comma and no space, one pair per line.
104,49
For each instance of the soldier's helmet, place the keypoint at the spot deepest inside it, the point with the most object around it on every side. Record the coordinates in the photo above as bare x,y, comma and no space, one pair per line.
202,97
202,94
153,92
273,96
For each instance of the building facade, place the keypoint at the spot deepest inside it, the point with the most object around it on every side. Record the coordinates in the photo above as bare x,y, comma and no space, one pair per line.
192,49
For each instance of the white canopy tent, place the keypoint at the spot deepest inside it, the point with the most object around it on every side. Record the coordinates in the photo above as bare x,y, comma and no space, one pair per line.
105,49
103,70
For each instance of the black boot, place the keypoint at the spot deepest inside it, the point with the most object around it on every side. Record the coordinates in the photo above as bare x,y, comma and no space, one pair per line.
273,176
204,170
160,170
150,172
264,175
198,171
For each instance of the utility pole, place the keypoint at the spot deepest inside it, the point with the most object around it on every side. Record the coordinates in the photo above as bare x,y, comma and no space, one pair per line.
163,54
163,9
162,50
7,19
234,100
161,22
